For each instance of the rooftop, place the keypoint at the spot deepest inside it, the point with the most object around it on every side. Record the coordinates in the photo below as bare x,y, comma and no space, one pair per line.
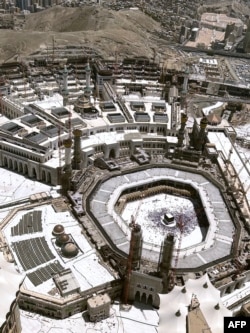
44,254
219,20
98,300
240,163
66,282
139,319
174,306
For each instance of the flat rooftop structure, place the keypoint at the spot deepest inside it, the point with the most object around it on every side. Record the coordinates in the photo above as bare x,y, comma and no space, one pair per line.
11,127
137,106
38,256
137,320
206,36
160,117
31,120
144,108
116,118
66,282
219,20
76,122
36,137
15,190
50,130
219,239
98,300
56,101
60,112
208,62
141,117
107,106
241,165
42,124
101,138
159,106
32,253
29,223
43,274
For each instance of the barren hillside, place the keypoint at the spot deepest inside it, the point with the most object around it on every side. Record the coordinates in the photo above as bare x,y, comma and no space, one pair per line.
128,32
89,18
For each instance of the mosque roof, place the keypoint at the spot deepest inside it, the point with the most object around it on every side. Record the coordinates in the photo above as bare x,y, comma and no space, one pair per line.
58,229
213,119
174,306
70,249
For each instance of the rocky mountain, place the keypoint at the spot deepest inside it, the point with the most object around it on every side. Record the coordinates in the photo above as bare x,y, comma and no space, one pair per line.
127,32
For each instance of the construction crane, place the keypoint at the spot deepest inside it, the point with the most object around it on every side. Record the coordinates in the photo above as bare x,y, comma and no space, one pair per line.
53,50
116,64
70,134
24,68
181,224
134,217
59,149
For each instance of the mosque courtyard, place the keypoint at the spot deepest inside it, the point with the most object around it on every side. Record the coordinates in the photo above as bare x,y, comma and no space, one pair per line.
149,213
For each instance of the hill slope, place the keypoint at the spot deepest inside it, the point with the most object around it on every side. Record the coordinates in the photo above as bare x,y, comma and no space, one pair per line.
89,18
128,32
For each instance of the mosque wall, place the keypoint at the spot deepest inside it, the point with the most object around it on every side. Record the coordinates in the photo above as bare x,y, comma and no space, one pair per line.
65,307
145,288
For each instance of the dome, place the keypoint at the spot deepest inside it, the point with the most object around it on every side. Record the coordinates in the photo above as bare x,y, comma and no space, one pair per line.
69,250
85,107
62,239
67,143
82,104
58,230
184,117
213,119
203,122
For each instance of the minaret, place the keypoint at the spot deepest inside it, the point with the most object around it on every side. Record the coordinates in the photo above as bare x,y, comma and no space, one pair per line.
202,133
184,91
181,131
67,170
134,258
77,149
87,89
65,91
67,146
136,246
165,261
185,81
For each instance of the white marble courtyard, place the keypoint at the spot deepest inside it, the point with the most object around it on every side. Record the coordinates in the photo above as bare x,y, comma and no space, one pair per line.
149,213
